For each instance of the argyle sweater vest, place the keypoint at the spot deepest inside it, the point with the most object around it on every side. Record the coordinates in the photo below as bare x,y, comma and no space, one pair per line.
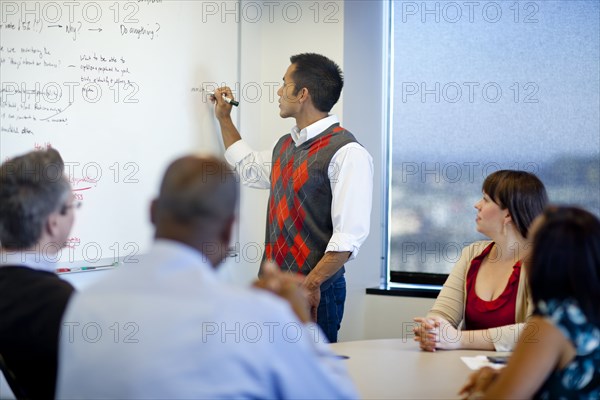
299,224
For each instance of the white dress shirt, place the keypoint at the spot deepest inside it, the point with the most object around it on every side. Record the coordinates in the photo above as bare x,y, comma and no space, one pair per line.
350,175
166,328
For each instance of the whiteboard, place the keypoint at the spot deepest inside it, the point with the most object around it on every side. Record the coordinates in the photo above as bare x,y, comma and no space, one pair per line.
114,87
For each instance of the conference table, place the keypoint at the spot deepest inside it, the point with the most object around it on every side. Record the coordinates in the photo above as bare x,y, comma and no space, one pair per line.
398,369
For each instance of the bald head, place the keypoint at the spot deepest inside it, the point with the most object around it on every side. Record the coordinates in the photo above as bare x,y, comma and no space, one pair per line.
196,203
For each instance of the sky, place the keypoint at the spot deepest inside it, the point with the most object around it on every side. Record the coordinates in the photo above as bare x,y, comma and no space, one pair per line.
496,79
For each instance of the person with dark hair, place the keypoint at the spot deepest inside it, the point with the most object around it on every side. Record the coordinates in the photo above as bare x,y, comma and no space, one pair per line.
36,217
320,180
485,300
166,328
561,357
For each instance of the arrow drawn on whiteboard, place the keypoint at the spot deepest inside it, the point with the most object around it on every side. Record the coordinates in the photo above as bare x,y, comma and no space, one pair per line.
78,190
55,26
97,29
52,116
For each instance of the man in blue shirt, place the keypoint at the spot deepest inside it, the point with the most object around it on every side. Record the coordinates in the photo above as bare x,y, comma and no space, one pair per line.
167,328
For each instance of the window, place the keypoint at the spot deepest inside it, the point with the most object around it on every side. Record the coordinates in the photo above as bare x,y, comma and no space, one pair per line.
478,87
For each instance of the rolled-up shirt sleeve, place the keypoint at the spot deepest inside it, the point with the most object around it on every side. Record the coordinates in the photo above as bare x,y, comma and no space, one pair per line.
351,179
253,167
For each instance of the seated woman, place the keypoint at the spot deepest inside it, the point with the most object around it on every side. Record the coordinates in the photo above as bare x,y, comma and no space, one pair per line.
486,298
560,358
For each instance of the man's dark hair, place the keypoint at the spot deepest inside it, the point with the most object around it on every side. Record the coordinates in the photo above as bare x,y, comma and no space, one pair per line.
32,186
322,77
522,193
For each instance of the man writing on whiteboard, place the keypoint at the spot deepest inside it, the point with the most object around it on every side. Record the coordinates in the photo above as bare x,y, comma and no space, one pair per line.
320,180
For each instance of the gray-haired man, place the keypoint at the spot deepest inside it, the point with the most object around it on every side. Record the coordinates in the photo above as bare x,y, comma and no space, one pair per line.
36,216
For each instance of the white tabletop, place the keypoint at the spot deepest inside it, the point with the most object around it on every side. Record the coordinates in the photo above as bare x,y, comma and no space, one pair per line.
398,369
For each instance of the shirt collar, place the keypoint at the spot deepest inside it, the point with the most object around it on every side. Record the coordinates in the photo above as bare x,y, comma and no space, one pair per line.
30,259
182,255
301,136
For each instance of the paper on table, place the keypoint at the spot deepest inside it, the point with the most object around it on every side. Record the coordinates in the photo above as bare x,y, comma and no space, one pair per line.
478,362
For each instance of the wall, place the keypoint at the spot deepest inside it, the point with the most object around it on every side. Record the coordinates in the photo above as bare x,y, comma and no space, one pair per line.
392,316
363,107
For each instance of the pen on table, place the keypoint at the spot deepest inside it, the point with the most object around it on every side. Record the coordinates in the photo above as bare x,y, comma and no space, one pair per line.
227,99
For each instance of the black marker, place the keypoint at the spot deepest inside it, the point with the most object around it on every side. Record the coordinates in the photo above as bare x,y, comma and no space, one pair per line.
227,99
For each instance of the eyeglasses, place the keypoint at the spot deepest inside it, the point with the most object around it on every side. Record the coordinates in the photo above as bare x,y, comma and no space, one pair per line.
74,205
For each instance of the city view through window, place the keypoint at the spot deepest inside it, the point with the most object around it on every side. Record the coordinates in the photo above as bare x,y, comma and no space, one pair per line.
483,86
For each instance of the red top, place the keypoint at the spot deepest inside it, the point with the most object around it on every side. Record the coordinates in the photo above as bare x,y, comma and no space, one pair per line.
481,314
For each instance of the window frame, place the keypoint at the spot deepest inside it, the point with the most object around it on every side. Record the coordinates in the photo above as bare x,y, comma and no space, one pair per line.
424,284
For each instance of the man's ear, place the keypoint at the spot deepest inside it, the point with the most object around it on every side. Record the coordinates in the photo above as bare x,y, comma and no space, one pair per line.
227,230
51,226
303,95
507,218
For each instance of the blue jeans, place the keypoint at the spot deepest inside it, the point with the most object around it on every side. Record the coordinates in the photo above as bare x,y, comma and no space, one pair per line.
331,308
